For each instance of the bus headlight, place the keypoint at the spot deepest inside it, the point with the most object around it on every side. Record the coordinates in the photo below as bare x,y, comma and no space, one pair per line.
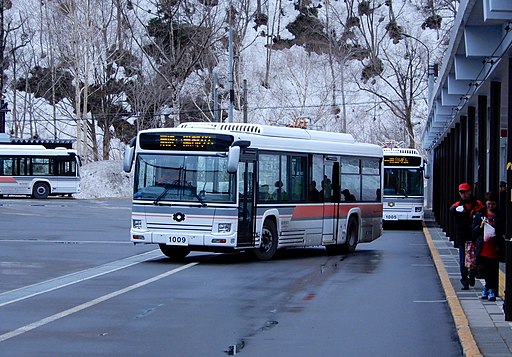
224,227
418,209
137,223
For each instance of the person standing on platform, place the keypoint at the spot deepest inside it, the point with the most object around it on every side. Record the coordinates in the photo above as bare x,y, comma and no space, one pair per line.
488,231
463,211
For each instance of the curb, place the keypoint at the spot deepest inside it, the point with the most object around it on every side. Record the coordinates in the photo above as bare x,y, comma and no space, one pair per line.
467,340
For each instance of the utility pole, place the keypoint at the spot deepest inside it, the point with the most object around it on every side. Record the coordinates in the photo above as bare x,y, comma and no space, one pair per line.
245,100
231,76
3,106
230,64
216,97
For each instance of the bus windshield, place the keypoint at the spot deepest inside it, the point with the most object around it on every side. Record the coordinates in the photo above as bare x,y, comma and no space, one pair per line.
403,181
184,178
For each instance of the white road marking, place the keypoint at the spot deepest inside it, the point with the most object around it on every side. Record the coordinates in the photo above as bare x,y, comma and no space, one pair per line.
91,303
26,292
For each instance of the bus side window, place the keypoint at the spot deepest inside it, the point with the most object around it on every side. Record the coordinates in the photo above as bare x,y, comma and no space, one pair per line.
6,166
351,176
315,178
298,178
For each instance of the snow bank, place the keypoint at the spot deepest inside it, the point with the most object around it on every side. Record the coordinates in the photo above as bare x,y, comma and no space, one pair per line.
103,179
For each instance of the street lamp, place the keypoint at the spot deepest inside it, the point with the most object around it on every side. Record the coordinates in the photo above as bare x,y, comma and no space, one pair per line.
426,48
430,74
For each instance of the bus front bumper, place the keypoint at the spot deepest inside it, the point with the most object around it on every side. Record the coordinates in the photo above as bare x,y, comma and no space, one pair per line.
183,239
401,216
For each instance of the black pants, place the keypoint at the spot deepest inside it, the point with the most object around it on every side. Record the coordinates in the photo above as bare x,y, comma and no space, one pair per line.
490,269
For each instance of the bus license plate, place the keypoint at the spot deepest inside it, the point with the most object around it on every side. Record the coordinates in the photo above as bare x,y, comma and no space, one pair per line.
391,217
177,240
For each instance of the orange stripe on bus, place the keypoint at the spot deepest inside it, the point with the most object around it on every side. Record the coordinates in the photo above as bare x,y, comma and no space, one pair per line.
302,212
311,212
7,179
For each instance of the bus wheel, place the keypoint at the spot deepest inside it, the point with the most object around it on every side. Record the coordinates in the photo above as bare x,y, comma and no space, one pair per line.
40,190
352,237
269,238
175,253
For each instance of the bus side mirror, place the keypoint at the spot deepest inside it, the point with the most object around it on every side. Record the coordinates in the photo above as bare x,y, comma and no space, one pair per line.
128,158
129,152
233,159
425,174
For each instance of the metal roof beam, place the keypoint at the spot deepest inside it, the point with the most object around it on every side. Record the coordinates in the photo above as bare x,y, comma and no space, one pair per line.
497,10
440,109
449,99
458,86
482,41
471,69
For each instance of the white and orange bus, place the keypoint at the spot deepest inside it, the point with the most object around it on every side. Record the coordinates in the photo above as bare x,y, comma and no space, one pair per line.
235,187
403,194
36,171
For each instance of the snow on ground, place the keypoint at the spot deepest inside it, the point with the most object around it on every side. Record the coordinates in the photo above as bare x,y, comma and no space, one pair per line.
104,179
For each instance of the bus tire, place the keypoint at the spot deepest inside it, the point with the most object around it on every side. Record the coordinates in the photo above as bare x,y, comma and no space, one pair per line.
41,190
174,253
352,236
268,246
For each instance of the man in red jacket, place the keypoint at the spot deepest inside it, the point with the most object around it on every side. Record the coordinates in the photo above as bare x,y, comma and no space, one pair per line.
463,211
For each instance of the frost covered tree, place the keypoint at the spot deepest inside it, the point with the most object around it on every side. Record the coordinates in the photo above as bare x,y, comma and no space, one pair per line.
109,69
393,69
182,40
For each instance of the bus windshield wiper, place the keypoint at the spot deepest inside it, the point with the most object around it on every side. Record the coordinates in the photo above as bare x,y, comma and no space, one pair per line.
167,187
193,189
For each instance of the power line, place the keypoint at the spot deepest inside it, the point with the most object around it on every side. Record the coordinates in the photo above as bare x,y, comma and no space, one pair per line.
126,116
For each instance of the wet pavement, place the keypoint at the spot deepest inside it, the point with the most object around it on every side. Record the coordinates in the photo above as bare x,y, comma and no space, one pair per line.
481,324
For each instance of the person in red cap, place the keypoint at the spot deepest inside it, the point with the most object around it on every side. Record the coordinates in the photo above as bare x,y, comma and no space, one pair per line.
463,211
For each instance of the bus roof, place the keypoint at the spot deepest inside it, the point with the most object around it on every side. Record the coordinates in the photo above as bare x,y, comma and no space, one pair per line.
282,138
34,150
400,151
274,131
20,147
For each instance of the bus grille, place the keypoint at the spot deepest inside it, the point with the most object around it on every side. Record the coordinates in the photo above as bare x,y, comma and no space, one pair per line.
179,227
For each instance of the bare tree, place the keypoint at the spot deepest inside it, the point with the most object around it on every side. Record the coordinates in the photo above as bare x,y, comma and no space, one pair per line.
393,68
91,46
182,37
18,38
405,85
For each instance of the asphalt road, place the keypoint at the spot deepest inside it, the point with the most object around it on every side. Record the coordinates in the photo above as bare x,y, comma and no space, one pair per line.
72,284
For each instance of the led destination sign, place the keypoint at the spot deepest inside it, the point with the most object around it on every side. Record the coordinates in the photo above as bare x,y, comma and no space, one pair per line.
402,161
185,142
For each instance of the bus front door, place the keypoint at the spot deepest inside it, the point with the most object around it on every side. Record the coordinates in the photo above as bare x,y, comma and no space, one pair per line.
331,198
246,211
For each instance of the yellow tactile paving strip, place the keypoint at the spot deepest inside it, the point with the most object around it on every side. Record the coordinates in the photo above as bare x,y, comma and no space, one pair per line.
467,340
